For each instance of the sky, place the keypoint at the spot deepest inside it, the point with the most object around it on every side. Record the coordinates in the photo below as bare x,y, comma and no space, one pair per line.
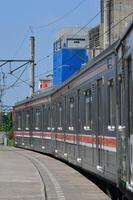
19,19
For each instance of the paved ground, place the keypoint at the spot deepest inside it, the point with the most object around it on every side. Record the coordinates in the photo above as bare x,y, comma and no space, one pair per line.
26,175
19,179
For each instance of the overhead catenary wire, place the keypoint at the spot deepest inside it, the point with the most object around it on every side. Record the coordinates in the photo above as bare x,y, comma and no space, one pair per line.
45,73
112,27
106,32
44,58
21,44
116,24
26,82
19,67
83,27
48,24
18,78
66,14
39,75
55,21
50,54
100,36
62,17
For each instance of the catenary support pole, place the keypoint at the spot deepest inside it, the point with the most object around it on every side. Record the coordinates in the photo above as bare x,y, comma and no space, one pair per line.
32,65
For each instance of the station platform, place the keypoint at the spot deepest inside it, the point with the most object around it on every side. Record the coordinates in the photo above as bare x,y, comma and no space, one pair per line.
27,175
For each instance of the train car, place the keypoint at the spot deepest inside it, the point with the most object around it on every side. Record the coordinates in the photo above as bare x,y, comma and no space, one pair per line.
124,116
87,121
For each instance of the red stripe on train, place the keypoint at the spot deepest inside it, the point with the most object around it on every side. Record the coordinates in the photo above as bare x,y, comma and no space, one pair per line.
105,141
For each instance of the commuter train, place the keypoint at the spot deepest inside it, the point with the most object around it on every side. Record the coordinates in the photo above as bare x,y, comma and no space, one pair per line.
88,121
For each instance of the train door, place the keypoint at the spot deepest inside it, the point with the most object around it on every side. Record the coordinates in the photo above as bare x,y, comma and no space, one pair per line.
71,115
30,128
52,143
49,140
78,124
100,124
125,127
88,125
129,118
28,136
65,125
53,119
130,121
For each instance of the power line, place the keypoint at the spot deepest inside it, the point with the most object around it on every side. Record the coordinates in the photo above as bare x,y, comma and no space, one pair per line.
50,23
16,80
116,24
21,45
106,32
45,57
50,54
45,73
19,67
82,28
26,82
63,16
66,14
113,26
46,25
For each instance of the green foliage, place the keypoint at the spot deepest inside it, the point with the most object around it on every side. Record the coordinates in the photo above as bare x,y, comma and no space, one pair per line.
10,142
5,122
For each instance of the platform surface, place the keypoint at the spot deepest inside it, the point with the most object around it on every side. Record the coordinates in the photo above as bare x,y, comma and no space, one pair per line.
26,175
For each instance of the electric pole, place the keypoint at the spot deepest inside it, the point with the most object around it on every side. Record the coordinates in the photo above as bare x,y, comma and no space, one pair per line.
32,65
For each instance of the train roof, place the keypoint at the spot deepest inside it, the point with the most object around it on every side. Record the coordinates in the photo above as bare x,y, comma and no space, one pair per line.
52,90
102,55
90,64
37,95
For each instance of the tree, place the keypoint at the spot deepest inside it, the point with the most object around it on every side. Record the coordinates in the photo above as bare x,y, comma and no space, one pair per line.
5,121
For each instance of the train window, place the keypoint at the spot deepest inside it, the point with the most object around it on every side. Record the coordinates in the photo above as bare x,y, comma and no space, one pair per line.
71,114
44,117
19,121
111,116
88,110
27,121
60,115
37,119
109,63
120,98
49,119
54,116
100,106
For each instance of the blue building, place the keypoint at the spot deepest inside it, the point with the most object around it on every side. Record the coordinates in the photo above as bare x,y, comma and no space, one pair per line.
69,54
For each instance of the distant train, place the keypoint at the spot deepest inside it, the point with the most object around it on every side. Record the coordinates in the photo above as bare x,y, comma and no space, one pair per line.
88,121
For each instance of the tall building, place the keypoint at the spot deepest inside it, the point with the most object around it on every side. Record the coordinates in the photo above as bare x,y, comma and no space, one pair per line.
94,42
116,15
70,53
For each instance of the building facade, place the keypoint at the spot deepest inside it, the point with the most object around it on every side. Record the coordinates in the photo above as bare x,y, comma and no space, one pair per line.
70,53
116,15
94,42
